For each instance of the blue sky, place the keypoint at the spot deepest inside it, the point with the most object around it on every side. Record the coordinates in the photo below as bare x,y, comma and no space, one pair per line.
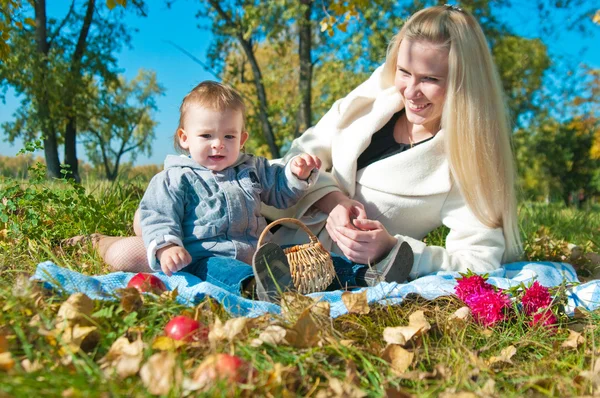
178,73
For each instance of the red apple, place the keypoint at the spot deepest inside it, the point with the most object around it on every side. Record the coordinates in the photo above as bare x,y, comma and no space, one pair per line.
185,328
147,283
226,367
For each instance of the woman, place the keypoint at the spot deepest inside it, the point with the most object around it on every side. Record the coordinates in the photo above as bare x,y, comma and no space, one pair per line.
423,142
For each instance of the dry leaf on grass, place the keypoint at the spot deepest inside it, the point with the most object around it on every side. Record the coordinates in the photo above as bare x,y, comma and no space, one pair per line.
293,304
321,309
123,358
399,358
165,343
356,303
273,335
417,325
460,316
233,329
592,375
574,340
505,356
305,333
3,343
161,373
131,299
31,367
74,338
6,361
76,310
340,389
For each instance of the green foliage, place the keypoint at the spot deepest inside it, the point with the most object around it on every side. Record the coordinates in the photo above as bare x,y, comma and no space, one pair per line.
119,121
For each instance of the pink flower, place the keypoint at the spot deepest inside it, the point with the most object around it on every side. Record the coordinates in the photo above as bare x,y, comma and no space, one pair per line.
470,285
488,307
545,319
535,298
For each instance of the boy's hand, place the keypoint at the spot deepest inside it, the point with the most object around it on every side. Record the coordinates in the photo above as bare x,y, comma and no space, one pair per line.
303,164
173,258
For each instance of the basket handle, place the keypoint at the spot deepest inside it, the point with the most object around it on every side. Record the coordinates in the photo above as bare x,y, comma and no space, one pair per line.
313,238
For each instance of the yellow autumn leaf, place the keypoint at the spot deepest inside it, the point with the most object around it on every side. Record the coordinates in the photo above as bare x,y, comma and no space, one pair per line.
401,335
273,335
233,329
161,373
596,18
399,358
77,309
111,4
123,358
165,343
305,333
574,340
505,356
356,303
6,361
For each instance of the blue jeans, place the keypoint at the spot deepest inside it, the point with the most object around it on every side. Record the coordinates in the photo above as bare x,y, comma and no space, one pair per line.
231,274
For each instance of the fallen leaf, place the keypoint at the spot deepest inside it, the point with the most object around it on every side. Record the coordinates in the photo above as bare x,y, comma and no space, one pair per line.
399,358
123,358
165,343
305,333
293,304
233,329
31,367
3,343
75,338
340,389
460,316
488,389
76,310
161,373
394,393
593,375
417,325
574,340
321,309
356,303
505,356
169,295
6,361
453,394
131,299
273,335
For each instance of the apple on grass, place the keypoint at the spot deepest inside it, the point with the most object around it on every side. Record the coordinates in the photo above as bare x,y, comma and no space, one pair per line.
187,329
147,283
230,368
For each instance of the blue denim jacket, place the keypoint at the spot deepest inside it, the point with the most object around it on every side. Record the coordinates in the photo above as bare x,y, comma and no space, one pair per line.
214,213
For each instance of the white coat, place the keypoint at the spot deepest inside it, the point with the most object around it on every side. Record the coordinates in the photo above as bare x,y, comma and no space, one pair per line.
410,193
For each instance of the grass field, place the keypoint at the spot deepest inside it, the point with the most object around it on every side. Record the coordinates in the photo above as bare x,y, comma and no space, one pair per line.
44,351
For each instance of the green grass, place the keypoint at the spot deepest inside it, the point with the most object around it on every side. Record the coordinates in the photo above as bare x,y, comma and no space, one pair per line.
447,359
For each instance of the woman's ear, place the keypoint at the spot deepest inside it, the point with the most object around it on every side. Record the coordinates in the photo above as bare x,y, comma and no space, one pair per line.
244,138
183,138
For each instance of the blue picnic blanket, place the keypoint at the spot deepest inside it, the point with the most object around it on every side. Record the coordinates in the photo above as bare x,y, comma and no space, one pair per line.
191,289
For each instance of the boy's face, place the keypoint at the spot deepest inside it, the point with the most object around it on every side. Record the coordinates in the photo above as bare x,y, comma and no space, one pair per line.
213,138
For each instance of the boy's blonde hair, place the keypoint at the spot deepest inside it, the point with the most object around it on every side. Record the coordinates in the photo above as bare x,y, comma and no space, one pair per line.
212,95
474,119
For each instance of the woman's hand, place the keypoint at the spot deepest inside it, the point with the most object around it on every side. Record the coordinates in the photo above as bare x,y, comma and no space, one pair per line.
342,215
173,258
365,245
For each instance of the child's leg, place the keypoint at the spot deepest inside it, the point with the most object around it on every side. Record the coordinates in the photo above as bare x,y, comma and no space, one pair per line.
225,272
348,273
123,254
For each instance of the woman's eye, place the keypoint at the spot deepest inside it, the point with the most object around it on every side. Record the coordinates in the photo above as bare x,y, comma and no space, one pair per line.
430,79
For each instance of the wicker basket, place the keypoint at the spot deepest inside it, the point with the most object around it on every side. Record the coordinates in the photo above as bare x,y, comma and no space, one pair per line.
310,264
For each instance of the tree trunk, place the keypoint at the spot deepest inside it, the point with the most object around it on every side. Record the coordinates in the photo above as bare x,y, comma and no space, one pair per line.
305,83
75,72
258,80
43,105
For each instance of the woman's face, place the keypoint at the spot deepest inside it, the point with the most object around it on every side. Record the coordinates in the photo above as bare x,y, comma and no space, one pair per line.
421,77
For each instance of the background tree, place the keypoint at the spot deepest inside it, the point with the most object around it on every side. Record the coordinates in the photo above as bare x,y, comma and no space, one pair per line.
120,121
49,65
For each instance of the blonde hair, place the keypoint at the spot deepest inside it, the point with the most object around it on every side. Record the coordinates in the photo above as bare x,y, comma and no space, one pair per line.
212,95
474,119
